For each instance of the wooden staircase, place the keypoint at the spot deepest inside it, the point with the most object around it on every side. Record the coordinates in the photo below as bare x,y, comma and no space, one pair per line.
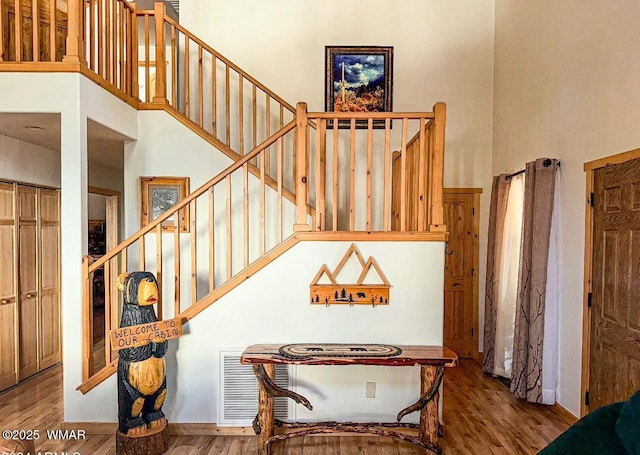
294,176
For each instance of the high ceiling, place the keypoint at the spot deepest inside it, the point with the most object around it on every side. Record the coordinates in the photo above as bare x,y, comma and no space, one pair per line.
105,146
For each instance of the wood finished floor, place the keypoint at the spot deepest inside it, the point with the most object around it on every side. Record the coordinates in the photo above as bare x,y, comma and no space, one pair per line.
481,417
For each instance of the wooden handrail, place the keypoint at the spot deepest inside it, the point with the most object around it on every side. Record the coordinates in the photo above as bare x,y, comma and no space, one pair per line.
186,201
372,115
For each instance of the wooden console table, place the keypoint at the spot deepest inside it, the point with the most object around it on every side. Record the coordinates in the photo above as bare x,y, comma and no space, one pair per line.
432,360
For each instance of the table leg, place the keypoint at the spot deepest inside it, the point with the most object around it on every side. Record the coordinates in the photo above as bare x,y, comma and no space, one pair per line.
265,413
429,422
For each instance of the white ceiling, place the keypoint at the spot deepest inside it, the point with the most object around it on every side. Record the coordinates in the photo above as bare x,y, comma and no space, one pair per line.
105,146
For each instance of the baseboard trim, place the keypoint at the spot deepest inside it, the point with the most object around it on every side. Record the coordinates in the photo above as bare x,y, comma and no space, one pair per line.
175,429
564,414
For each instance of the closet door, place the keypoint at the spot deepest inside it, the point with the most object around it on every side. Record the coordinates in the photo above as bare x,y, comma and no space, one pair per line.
50,348
8,305
27,281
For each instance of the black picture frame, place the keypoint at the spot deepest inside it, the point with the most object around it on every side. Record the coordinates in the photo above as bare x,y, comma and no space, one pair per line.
358,79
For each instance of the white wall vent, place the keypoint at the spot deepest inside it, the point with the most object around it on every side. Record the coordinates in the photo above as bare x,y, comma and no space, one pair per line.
238,394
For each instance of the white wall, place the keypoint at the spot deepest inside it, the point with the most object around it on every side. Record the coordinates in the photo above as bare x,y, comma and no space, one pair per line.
29,163
566,87
273,307
443,51
77,99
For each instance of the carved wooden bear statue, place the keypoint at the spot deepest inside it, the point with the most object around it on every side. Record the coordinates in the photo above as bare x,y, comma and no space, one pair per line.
141,370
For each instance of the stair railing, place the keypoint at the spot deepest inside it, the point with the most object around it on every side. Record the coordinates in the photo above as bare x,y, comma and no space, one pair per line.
206,87
233,220
350,155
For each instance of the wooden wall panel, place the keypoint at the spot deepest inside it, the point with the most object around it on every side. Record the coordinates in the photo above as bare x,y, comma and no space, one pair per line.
50,346
29,281
8,371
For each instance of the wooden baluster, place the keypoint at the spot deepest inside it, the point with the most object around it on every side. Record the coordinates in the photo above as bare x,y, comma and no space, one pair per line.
143,253
115,294
403,178
114,42
135,87
227,106
17,29
280,176
107,40
75,21
267,128
387,170
108,353
254,117
147,49
335,174
437,211
35,24
200,90
245,197
2,43
422,178
229,244
121,46
126,57
99,63
240,115
194,252
369,170
214,96
301,168
159,267
161,66
108,312
352,177
321,174
52,31
187,108
132,67
263,239
429,159
87,320
212,245
174,70
176,263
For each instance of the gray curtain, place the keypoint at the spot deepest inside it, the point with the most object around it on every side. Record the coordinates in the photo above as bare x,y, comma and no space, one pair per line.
526,375
497,211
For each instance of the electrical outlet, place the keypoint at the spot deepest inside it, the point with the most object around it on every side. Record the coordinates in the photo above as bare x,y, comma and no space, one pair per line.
370,389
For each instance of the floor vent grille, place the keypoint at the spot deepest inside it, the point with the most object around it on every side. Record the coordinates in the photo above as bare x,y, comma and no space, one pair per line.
239,392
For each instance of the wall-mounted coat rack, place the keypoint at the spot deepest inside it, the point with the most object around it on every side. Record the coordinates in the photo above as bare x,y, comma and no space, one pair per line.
350,294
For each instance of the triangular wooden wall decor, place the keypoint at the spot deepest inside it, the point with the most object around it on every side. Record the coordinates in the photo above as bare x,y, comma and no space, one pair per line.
350,294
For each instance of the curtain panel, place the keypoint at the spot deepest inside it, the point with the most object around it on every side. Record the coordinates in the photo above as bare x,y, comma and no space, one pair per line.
497,212
526,377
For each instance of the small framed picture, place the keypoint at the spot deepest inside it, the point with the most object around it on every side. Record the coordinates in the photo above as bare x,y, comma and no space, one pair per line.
159,194
358,79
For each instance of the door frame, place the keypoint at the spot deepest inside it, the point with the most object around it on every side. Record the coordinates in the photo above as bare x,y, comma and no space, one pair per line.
590,167
112,214
476,259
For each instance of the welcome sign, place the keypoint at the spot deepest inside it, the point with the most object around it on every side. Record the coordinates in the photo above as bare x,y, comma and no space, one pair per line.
143,334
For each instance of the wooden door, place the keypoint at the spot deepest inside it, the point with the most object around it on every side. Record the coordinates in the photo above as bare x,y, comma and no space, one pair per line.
461,215
50,351
27,281
614,364
8,300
